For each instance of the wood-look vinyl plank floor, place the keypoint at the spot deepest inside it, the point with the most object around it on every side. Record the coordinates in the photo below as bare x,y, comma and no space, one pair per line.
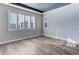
38,46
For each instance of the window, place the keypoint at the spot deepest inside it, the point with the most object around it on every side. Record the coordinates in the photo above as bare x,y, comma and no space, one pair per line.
45,20
33,22
12,21
20,21
27,22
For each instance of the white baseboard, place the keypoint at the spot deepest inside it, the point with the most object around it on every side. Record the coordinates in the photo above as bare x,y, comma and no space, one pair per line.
19,39
51,36
56,37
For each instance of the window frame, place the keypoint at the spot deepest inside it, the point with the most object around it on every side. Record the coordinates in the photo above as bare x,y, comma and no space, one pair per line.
18,22
9,29
29,20
28,27
34,24
45,23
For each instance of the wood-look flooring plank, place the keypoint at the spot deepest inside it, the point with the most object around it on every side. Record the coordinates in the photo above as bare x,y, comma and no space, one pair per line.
38,46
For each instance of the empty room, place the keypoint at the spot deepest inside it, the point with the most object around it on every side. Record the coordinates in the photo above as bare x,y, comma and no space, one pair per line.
39,29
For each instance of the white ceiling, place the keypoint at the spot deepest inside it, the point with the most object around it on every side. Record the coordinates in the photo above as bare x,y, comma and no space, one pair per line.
45,6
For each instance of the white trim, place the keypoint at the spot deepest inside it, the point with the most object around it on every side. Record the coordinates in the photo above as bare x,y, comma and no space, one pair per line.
60,38
19,39
51,36
21,8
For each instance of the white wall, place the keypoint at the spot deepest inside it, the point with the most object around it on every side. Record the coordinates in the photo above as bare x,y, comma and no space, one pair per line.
6,35
63,22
